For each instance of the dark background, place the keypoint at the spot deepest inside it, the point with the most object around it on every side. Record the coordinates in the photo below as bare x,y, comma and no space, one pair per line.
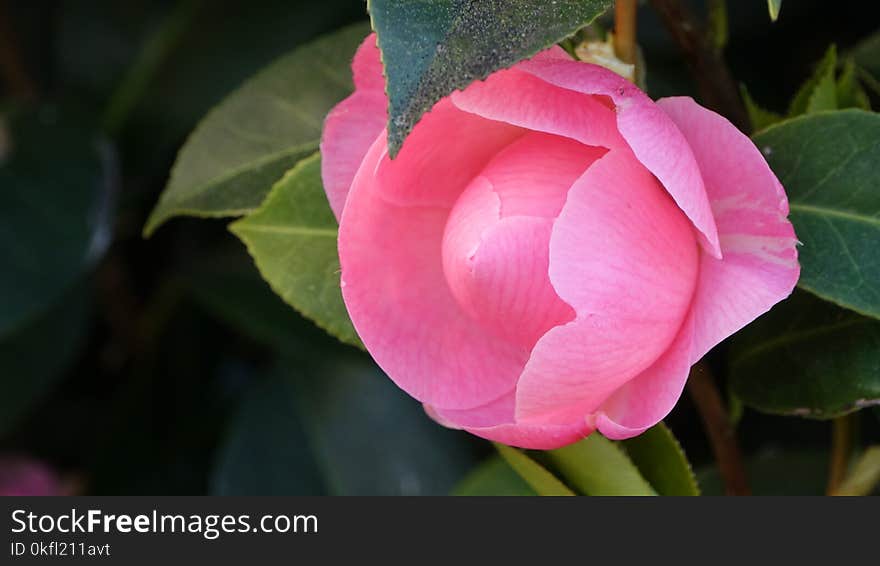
169,367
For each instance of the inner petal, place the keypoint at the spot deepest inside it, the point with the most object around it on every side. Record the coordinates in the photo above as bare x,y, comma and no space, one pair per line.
496,244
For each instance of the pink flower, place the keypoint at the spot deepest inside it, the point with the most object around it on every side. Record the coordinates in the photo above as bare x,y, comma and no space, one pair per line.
550,251
22,476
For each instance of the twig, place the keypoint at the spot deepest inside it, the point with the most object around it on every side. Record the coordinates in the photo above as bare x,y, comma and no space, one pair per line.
719,429
714,81
625,30
841,449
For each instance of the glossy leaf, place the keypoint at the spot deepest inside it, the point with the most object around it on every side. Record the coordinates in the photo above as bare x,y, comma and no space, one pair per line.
292,238
55,197
820,91
598,466
662,461
828,165
809,358
247,142
266,451
493,477
533,473
432,47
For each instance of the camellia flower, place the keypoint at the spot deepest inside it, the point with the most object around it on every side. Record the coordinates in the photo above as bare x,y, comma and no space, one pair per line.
22,476
551,250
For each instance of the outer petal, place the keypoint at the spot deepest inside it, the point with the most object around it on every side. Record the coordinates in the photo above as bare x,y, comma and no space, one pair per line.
625,258
760,265
481,421
352,126
654,138
646,399
390,238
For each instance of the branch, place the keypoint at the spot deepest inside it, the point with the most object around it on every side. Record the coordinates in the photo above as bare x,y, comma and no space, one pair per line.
719,429
716,86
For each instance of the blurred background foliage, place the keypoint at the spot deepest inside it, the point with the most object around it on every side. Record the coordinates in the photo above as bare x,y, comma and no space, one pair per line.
167,365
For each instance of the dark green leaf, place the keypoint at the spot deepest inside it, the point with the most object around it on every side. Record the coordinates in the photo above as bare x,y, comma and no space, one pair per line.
661,460
828,165
433,47
493,477
266,452
807,357
34,357
533,473
597,466
371,438
54,200
292,239
820,91
258,132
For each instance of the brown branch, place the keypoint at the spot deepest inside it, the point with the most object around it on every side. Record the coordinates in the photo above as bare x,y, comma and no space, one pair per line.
715,84
841,450
719,429
625,30
11,69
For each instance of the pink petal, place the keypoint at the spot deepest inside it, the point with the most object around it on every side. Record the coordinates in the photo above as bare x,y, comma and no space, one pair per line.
760,265
496,245
481,421
653,137
625,258
646,399
352,126
390,239
522,99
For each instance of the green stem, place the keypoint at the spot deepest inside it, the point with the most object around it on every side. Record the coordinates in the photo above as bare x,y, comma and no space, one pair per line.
150,59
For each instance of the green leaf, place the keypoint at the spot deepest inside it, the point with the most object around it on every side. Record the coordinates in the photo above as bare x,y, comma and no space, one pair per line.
828,165
534,474
758,116
433,47
820,91
493,477
33,358
809,358
865,475
292,238
247,142
371,438
662,461
266,451
54,204
850,93
597,466
773,7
